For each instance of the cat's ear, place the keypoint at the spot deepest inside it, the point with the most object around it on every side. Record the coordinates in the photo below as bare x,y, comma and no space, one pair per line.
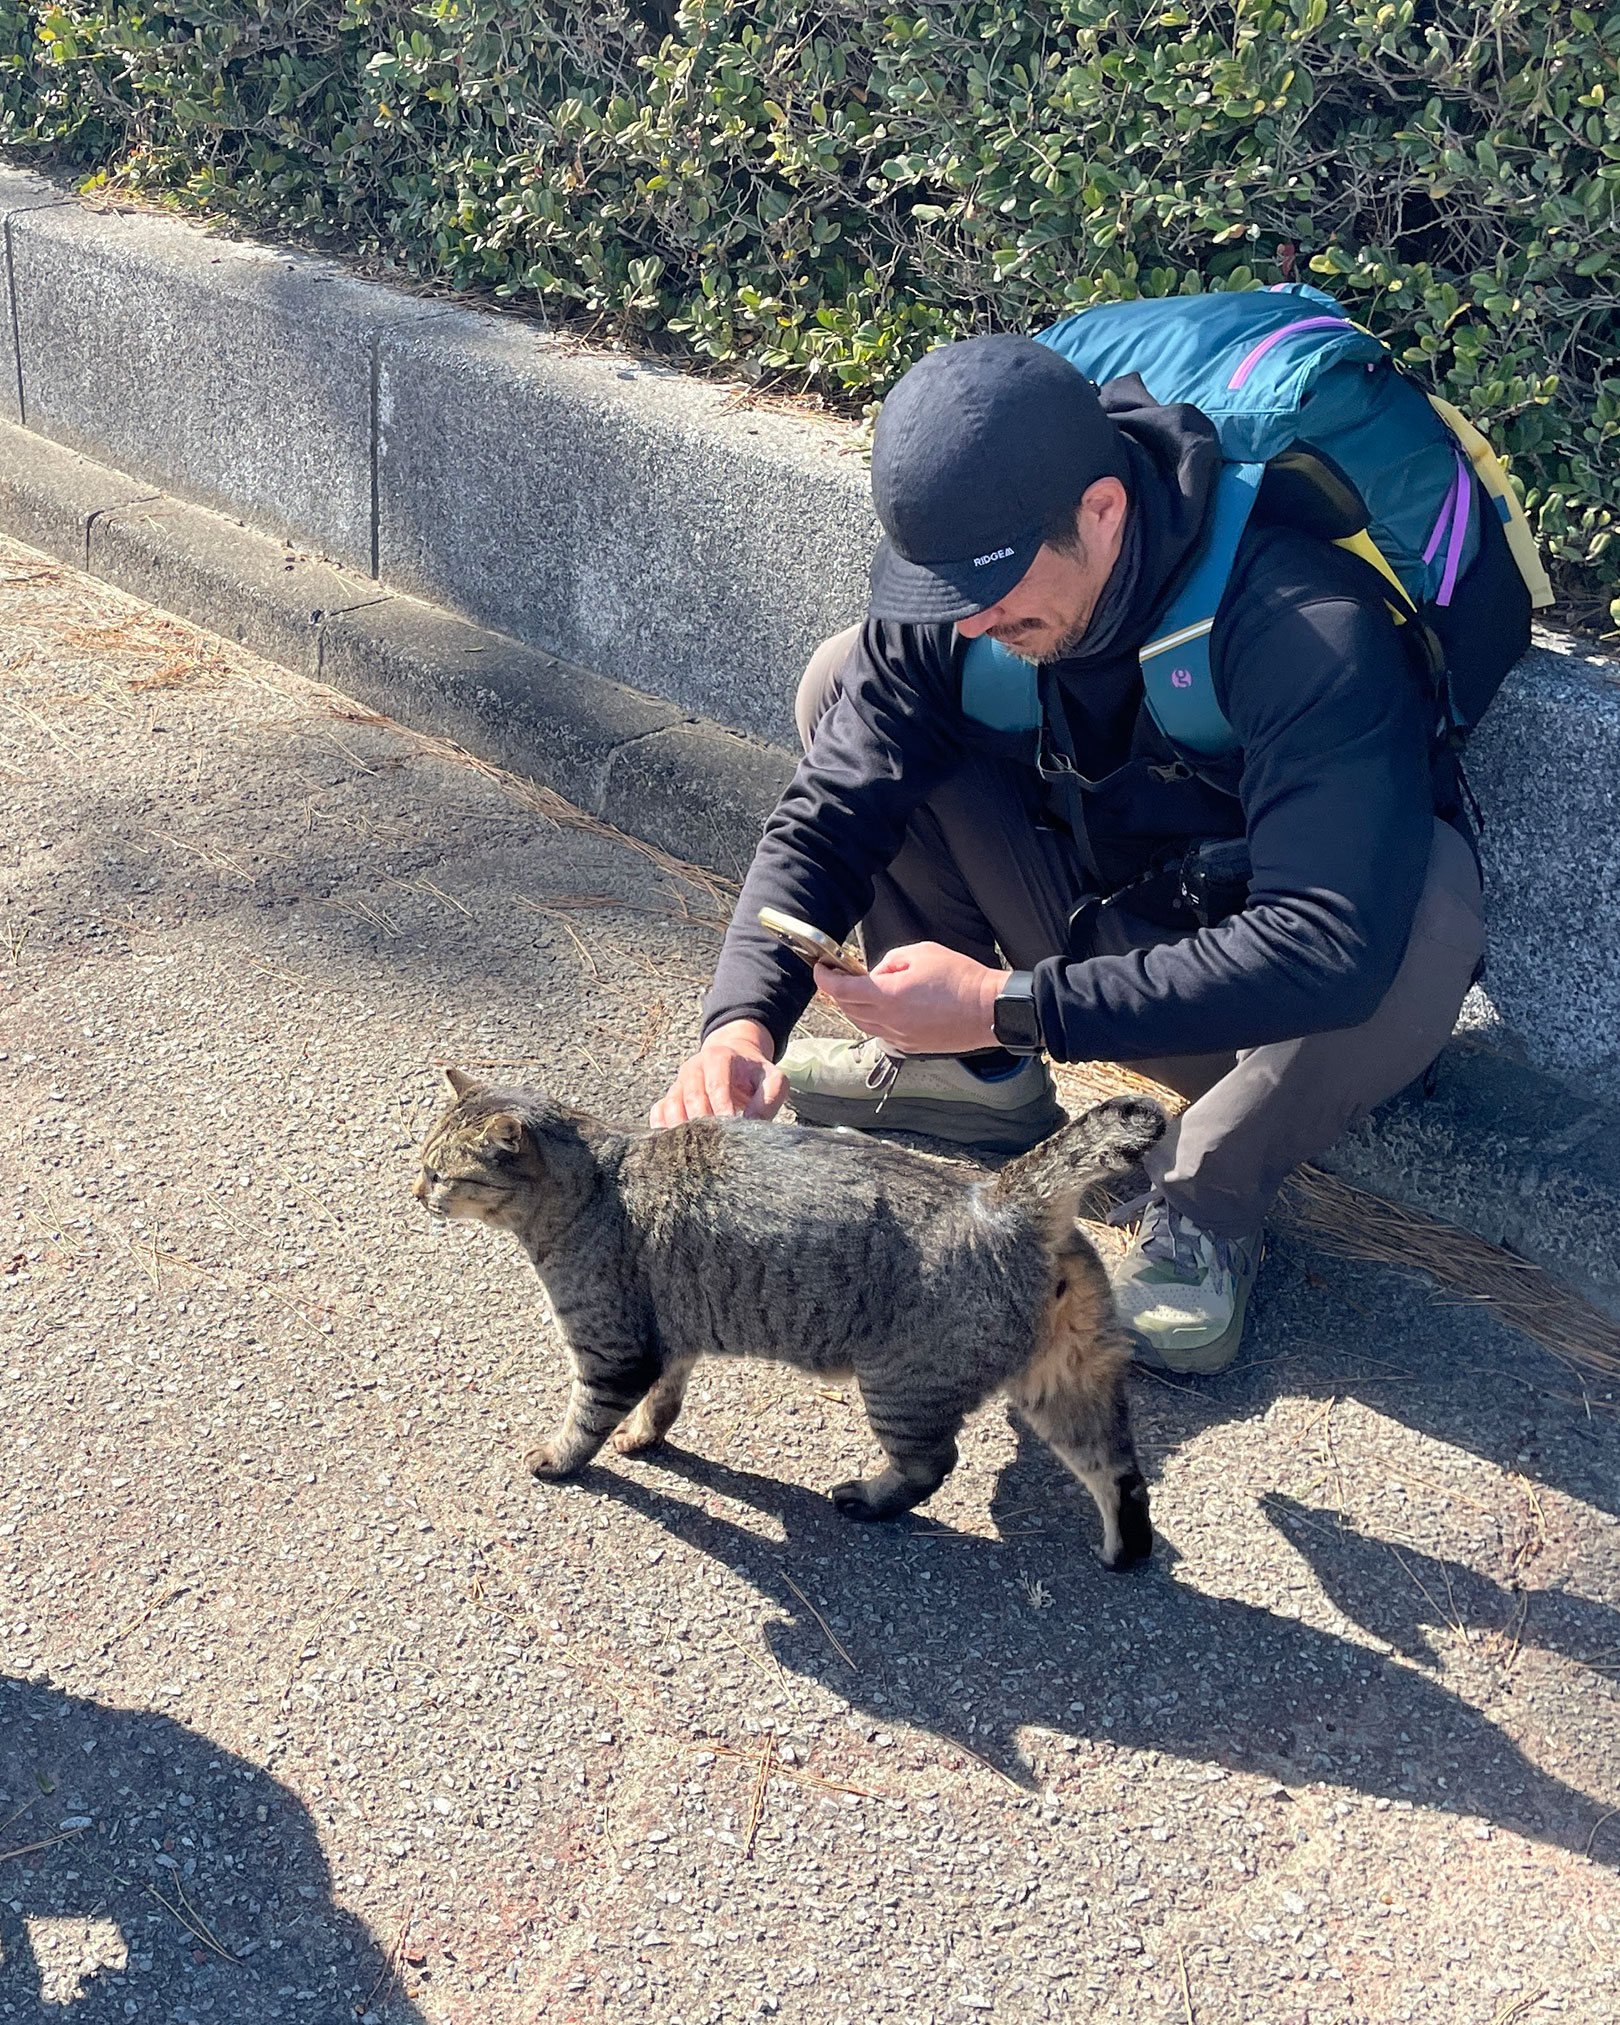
460,1083
503,1132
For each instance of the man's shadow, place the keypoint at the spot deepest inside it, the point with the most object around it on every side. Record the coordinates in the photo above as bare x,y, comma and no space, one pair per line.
145,1871
942,1638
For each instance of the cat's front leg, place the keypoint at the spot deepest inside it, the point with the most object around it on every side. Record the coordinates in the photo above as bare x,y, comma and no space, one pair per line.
590,1418
657,1413
610,1381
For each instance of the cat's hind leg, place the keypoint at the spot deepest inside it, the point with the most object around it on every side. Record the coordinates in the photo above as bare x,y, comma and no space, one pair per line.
1072,1393
657,1413
918,1437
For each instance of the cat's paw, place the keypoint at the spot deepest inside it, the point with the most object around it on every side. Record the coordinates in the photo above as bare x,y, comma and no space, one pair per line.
1135,1547
1132,1545
855,1501
635,1436
548,1461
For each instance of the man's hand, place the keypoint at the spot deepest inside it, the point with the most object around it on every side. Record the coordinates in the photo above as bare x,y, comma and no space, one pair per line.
730,1076
923,999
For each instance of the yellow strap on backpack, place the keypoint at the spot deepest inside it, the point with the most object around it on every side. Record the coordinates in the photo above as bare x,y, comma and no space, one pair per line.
1363,545
1520,540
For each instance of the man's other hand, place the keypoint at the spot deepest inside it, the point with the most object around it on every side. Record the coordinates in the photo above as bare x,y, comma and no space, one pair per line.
730,1076
923,999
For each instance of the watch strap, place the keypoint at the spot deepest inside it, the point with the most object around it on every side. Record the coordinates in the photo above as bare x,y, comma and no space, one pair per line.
1015,1018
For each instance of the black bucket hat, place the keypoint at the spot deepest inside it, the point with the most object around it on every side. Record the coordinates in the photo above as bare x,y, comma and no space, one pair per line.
974,451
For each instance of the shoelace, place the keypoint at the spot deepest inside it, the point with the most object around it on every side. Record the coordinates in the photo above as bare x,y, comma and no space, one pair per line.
883,1065
1175,1240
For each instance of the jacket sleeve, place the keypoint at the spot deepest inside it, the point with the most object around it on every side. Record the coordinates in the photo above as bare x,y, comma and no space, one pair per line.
1338,807
895,731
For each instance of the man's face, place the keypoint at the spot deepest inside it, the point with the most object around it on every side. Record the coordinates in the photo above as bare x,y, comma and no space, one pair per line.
1046,613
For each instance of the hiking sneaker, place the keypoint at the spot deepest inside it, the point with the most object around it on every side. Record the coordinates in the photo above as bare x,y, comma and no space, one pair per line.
867,1085
1181,1292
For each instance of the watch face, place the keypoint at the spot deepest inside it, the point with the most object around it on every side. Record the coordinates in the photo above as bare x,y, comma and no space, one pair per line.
1016,1022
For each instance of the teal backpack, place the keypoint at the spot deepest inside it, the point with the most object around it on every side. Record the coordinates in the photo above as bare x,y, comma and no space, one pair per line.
1315,422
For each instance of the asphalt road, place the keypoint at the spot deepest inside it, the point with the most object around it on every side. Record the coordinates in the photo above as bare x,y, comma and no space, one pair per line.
313,1705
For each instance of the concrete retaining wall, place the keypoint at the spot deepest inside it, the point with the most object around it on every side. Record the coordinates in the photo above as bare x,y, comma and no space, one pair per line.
626,517
1545,764
663,532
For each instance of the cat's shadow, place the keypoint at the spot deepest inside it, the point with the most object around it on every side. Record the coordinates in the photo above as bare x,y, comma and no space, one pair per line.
953,1634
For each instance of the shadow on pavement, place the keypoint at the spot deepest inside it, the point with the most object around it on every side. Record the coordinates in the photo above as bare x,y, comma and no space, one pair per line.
1354,1570
144,1871
1402,1348
1159,1666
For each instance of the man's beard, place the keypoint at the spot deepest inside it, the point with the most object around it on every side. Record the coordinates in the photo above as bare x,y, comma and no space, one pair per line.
1065,644
1068,638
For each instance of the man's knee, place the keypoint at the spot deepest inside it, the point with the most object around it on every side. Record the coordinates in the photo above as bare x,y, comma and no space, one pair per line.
821,681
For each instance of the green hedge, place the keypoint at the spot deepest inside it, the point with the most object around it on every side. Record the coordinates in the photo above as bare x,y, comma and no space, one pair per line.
812,194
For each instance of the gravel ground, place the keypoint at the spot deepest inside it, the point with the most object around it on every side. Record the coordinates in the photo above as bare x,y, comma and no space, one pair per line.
312,1705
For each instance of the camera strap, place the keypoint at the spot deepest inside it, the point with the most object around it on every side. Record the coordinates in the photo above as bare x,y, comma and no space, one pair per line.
1057,764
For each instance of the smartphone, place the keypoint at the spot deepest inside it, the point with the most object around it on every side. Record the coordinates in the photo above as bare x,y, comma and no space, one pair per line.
810,943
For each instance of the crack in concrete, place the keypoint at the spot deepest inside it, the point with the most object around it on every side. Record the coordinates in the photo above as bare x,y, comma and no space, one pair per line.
324,617
374,430
16,325
639,737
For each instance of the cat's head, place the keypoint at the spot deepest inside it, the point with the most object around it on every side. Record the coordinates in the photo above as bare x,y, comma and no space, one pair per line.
497,1156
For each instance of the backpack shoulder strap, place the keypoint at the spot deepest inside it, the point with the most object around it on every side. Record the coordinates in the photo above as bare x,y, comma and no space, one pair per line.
1001,691
1176,674
998,689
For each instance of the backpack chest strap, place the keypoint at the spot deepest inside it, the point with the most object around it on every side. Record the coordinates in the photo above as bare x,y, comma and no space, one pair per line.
1177,679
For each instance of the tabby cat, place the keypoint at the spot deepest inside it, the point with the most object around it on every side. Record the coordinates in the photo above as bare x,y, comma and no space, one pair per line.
826,1250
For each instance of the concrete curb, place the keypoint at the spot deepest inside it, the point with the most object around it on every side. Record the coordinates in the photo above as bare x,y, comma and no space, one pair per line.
690,788
1501,1148
636,761
1507,1151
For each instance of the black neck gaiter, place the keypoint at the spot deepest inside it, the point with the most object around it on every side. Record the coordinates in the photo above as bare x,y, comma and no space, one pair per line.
1173,457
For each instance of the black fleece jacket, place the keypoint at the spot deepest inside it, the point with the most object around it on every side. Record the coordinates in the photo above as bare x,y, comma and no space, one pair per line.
1333,786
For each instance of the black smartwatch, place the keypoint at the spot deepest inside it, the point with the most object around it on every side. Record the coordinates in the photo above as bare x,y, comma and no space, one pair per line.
1016,1022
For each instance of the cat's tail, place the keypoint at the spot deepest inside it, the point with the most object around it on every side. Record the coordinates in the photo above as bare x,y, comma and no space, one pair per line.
1100,1145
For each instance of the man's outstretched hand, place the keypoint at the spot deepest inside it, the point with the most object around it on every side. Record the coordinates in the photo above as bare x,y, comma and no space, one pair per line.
923,999
730,1076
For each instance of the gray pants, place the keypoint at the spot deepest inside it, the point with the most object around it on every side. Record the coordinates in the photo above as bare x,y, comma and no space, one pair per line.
981,873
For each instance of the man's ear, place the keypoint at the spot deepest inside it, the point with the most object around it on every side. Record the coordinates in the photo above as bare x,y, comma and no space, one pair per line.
503,1131
1103,506
461,1085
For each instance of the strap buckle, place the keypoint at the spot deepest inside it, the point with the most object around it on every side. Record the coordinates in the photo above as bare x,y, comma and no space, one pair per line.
1052,764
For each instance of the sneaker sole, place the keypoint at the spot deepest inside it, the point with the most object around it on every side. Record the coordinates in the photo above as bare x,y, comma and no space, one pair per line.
941,1118
1200,1360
